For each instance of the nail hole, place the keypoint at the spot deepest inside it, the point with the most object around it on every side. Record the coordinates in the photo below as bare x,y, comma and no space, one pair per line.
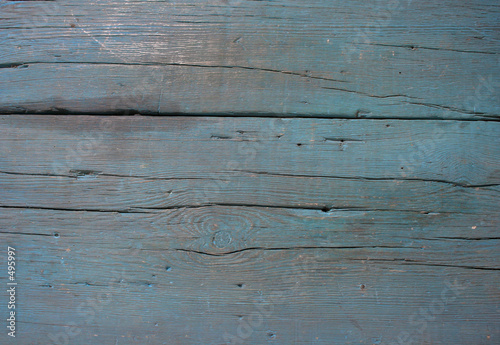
271,334
388,125
402,168
56,235
362,286
240,285
168,268
299,144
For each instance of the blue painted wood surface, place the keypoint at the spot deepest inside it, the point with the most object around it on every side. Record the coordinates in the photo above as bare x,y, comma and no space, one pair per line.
389,59
314,173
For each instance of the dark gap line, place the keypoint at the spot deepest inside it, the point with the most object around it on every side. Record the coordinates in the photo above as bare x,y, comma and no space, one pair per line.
136,113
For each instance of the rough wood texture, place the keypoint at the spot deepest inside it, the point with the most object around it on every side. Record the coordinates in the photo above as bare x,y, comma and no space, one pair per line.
209,230
316,172
388,59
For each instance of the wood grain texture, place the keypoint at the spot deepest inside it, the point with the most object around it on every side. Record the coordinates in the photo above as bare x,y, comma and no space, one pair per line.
227,230
386,59
321,172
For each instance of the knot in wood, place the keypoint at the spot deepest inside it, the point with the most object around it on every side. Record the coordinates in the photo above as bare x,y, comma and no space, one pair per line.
221,239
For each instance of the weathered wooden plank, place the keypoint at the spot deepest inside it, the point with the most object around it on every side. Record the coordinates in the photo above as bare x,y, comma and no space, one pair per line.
210,230
285,315
325,58
444,153
125,194
288,296
143,162
413,239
